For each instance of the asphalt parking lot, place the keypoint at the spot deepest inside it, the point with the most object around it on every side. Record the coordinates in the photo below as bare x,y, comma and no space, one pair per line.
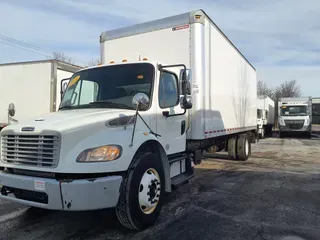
274,195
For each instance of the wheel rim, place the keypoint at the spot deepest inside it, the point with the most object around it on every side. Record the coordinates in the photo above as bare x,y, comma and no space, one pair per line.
247,147
149,191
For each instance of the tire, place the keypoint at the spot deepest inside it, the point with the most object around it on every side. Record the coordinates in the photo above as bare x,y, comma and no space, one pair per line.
270,132
232,148
145,175
309,134
281,135
243,147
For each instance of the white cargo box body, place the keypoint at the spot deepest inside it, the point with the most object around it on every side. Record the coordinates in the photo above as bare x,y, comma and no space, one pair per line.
34,87
296,101
223,81
266,103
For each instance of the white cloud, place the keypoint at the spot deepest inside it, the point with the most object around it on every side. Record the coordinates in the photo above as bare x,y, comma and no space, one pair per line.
270,34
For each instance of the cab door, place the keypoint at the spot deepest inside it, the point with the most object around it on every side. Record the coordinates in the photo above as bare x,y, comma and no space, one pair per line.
171,128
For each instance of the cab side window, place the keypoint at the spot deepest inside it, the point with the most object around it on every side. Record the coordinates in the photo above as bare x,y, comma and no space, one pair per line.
168,90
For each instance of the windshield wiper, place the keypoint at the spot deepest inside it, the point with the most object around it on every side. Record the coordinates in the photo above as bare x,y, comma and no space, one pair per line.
66,107
110,104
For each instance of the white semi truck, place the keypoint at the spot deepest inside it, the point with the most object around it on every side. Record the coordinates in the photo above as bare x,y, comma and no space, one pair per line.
265,115
33,87
295,115
131,129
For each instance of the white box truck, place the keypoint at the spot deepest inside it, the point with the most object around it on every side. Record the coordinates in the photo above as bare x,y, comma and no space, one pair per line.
32,87
265,115
295,115
130,130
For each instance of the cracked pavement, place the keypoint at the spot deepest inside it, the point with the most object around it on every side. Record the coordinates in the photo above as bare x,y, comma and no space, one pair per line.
273,195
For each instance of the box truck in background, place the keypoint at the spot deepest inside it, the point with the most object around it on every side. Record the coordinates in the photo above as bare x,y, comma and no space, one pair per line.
32,87
295,115
131,129
265,116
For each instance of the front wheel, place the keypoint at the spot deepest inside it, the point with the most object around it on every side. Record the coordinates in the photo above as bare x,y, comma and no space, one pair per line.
141,193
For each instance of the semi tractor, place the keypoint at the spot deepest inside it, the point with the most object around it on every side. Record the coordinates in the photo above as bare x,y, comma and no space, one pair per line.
295,116
265,116
134,128
32,88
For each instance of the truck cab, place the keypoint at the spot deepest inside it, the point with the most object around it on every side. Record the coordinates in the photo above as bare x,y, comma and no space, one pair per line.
295,115
109,140
262,121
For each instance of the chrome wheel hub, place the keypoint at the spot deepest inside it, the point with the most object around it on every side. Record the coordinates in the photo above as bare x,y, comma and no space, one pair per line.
149,191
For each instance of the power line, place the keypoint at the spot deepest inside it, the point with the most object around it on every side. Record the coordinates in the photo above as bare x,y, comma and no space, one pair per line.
24,49
27,45
23,43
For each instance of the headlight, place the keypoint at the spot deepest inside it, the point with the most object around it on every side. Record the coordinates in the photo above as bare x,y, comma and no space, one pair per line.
100,154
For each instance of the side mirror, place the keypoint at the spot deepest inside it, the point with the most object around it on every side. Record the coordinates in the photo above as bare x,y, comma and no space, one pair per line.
186,102
140,101
63,86
185,81
11,110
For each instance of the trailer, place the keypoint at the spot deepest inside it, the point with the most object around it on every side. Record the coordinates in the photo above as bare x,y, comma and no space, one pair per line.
134,128
295,116
33,87
265,116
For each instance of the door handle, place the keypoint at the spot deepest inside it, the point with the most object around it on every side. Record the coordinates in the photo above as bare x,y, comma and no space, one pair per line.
183,127
165,113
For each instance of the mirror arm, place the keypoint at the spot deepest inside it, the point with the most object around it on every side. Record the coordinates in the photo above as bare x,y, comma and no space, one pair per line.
135,123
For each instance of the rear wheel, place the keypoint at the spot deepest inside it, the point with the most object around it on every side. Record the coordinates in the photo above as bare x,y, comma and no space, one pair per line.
232,148
141,193
243,147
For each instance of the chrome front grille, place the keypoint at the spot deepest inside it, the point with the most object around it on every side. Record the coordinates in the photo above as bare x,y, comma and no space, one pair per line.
32,150
294,124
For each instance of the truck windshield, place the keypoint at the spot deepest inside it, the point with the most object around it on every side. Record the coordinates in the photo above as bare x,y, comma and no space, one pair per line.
294,110
108,87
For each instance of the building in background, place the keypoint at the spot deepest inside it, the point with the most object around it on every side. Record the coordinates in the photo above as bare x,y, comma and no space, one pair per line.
316,110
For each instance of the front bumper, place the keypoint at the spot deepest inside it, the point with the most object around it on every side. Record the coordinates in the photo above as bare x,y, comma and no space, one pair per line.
305,128
73,195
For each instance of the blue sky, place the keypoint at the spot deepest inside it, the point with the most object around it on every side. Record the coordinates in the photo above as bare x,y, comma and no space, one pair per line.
280,37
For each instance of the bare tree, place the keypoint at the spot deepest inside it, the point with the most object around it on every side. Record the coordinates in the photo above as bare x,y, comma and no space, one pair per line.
62,57
263,89
93,62
289,89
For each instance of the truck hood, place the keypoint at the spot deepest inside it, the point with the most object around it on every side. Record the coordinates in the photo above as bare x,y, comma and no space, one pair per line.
67,120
